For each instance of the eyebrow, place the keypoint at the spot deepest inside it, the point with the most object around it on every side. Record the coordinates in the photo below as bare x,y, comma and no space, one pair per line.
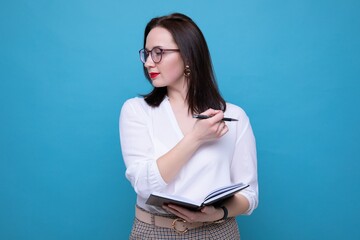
153,48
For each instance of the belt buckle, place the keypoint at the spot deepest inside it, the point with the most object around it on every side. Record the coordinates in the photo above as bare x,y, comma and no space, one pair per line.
184,230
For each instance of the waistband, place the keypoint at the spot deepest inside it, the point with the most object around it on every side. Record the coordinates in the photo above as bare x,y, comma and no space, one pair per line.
178,224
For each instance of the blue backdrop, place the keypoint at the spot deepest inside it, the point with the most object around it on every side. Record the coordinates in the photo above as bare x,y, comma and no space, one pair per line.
66,67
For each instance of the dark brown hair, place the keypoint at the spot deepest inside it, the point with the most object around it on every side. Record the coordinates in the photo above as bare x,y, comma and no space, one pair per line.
203,92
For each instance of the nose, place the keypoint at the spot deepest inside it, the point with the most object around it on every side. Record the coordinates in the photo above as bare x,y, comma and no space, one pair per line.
149,62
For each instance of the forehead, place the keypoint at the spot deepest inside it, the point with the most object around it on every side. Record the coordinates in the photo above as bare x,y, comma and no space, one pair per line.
159,37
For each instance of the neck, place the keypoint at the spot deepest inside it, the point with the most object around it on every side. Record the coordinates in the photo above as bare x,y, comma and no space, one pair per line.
178,100
178,94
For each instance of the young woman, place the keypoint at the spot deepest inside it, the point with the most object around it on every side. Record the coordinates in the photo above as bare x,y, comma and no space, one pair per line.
167,150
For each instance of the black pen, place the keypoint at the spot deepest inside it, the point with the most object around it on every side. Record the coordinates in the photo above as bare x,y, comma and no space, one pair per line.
200,116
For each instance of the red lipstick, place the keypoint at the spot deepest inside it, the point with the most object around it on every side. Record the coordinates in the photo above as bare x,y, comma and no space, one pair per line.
153,75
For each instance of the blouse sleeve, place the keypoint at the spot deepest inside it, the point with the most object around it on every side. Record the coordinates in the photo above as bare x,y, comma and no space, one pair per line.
244,163
137,149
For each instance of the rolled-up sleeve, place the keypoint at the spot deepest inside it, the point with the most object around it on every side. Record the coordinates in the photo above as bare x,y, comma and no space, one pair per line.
137,149
244,163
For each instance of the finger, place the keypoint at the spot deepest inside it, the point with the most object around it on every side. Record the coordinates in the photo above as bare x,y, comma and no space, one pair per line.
221,126
217,117
221,130
210,112
179,214
179,210
207,209
186,214
173,211
224,130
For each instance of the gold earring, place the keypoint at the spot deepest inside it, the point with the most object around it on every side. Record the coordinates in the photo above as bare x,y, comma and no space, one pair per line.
187,71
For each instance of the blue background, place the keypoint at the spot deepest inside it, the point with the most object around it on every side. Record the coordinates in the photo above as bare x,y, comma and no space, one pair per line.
66,67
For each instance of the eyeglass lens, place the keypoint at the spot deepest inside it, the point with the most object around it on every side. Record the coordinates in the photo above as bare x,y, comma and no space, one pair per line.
156,54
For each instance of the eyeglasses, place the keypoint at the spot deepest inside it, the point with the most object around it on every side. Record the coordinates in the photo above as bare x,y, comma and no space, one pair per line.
156,54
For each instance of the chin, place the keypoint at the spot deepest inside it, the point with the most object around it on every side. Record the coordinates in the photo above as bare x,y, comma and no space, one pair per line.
158,84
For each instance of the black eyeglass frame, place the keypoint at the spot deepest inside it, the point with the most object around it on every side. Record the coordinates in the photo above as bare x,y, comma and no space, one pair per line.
143,58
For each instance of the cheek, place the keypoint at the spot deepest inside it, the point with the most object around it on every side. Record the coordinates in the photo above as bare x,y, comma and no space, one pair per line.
175,70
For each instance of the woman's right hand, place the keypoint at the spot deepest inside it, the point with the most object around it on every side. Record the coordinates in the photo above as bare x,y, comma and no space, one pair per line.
209,129
204,130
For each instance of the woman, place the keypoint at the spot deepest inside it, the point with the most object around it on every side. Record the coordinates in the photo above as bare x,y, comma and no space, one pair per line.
166,149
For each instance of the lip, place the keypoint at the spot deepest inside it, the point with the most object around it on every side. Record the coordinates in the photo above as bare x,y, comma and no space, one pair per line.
153,75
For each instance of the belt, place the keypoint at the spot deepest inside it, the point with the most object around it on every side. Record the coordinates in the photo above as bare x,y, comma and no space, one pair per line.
178,224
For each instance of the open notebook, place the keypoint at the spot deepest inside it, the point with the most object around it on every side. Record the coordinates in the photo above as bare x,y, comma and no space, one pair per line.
213,198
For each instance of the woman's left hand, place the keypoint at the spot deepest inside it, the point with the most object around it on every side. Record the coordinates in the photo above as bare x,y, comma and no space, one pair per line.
205,214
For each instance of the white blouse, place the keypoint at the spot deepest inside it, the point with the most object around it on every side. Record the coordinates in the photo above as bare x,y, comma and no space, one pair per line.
147,133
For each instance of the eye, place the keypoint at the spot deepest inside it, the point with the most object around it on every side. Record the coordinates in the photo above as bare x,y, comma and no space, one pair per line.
157,51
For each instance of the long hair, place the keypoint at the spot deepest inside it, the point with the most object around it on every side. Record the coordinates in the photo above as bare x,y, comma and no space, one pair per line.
203,92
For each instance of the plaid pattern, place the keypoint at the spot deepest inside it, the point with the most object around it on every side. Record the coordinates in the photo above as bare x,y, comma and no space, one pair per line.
227,230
